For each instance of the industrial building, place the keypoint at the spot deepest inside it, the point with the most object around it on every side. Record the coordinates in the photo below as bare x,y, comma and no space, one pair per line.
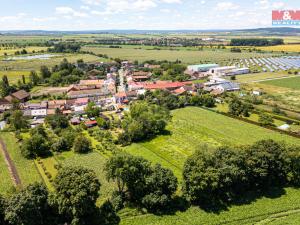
228,71
202,67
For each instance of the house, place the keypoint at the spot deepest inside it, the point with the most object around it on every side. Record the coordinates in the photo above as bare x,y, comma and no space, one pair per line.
202,67
228,71
91,82
88,93
81,101
226,87
90,123
21,96
39,113
4,104
165,85
75,121
184,90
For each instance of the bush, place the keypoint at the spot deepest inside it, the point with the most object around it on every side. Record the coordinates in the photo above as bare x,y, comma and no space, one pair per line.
82,145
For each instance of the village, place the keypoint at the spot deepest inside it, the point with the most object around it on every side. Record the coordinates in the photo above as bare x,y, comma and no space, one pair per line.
115,98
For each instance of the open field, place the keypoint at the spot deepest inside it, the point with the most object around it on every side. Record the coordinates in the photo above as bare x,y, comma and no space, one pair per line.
37,63
26,168
193,127
6,183
293,83
279,48
256,212
256,77
14,76
186,56
12,50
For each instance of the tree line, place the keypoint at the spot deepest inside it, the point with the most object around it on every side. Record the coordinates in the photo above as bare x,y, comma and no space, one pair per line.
256,42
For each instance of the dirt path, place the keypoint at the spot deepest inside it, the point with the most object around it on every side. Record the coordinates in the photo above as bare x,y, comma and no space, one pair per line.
11,166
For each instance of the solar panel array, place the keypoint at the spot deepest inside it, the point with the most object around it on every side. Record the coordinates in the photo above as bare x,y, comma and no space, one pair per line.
270,64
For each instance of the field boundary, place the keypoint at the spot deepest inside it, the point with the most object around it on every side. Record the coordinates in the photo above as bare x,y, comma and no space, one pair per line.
10,165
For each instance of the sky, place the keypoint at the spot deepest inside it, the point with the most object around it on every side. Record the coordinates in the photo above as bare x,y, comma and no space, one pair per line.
139,14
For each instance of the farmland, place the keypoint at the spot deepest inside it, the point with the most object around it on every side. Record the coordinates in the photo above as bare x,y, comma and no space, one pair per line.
193,127
14,76
256,77
293,83
186,56
285,48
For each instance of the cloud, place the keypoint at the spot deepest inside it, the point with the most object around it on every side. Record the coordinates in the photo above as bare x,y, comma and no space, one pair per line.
203,2
12,18
92,2
69,12
278,5
85,7
171,1
223,6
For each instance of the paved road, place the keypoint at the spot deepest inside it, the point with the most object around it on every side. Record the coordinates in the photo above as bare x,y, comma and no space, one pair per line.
10,164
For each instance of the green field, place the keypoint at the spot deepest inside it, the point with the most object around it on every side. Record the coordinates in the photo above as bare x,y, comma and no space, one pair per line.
14,76
256,77
6,183
193,127
293,83
35,64
143,53
26,168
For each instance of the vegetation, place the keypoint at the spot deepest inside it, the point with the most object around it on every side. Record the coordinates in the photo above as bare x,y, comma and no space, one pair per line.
82,144
292,82
255,42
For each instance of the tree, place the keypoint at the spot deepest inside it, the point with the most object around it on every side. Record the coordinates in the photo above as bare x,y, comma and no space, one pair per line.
92,110
2,210
238,108
18,121
76,193
160,185
145,120
34,78
45,72
82,144
37,145
29,207
4,86
129,172
57,121
265,119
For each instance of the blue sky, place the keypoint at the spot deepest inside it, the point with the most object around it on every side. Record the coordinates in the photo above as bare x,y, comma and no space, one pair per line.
138,14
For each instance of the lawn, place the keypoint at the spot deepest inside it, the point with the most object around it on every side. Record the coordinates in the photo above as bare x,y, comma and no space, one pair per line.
293,83
26,168
194,127
142,53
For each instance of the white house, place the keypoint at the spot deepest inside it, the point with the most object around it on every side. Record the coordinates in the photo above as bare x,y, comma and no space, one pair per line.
39,112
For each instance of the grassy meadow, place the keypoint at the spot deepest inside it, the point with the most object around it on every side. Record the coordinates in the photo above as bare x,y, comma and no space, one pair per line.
6,183
285,48
293,83
193,127
11,50
256,77
14,76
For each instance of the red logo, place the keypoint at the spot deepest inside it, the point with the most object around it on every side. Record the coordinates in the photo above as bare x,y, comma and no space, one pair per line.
286,15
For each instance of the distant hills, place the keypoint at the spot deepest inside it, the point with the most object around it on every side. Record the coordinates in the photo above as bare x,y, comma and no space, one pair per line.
257,31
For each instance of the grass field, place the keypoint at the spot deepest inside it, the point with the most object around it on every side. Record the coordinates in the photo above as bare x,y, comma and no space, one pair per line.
293,83
12,50
186,56
37,63
6,182
26,168
14,76
191,128
245,78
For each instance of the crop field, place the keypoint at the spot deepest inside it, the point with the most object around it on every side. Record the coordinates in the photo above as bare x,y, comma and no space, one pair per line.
279,48
293,83
14,76
26,168
194,127
261,211
186,56
12,50
35,64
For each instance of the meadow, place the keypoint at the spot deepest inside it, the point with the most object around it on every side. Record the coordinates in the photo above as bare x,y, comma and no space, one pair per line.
256,77
143,53
279,48
14,76
293,83
193,127
26,168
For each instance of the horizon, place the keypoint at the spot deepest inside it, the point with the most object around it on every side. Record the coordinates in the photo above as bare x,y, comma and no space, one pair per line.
86,15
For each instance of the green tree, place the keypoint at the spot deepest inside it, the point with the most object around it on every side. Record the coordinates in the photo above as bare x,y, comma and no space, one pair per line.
34,78
4,86
76,193
45,72
2,209
238,108
18,121
265,119
57,121
29,206
37,145
82,144
92,110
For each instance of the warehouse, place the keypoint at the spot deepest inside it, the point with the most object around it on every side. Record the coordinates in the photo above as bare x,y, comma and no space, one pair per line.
201,67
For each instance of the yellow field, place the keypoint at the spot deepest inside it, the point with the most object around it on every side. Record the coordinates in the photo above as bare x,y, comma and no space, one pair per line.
12,50
279,48
14,76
